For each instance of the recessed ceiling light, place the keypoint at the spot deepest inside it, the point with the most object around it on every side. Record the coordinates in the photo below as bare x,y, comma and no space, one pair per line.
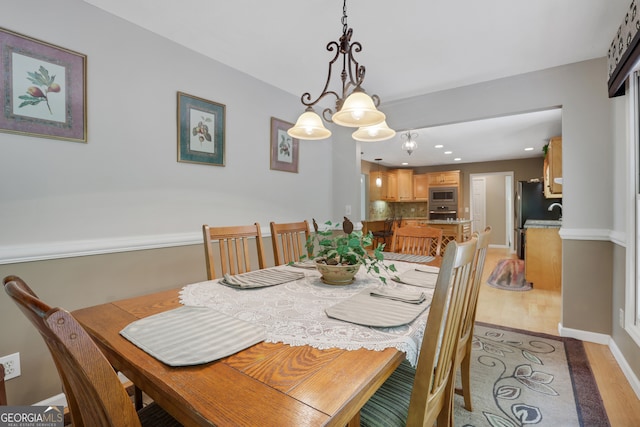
448,152
457,159
405,163
528,149
438,146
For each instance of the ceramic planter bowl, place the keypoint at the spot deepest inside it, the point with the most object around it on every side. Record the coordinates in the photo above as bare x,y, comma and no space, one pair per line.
337,274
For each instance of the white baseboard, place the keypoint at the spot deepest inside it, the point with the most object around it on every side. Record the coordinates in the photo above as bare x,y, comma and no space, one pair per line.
631,377
626,369
57,400
584,335
61,399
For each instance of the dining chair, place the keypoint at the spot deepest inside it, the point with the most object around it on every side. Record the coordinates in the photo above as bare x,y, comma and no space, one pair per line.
422,396
94,393
463,353
233,243
417,240
289,241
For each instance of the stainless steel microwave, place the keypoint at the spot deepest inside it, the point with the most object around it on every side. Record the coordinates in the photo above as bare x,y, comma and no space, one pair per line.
443,195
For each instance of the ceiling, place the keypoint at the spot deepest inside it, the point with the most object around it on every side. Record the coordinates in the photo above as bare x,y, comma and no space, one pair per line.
410,47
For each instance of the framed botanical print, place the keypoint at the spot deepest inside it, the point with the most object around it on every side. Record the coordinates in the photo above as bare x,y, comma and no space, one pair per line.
284,148
43,89
201,130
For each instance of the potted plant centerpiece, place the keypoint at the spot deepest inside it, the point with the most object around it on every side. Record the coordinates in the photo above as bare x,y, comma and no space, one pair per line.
340,256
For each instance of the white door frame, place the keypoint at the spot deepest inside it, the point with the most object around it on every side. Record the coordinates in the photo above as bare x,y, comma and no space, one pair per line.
508,205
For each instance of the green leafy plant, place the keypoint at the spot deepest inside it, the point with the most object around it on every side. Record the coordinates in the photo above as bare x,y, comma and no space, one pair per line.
44,86
347,249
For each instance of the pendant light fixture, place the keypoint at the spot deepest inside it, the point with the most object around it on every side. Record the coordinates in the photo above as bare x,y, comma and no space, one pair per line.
409,145
354,108
379,132
378,178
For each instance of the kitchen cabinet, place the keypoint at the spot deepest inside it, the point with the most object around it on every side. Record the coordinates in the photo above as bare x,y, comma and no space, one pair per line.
392,186
375,192
421,187
397,185
404,185
552,168
446,178
543,258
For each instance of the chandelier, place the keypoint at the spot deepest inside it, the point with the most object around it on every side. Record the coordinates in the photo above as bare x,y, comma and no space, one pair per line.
409,145
354,108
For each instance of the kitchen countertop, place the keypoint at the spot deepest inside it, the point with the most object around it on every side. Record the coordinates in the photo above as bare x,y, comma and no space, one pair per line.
429,221
542,223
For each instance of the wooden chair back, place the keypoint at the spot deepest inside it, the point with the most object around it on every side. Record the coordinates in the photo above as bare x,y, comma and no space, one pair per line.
417,240
463,353
233,243
432,393
95,395
289,241
3,390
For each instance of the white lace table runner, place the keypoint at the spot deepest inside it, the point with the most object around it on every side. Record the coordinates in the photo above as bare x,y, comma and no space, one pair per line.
294,313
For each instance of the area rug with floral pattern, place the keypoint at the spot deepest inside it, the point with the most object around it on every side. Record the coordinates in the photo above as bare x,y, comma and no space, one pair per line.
521,378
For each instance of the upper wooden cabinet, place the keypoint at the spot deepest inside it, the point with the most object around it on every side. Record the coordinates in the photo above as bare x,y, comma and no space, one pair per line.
404,185
553,168
392,186
421,186
446,178
397,185
375,192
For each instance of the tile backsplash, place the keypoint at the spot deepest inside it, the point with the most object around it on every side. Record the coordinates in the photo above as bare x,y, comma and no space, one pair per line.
380,210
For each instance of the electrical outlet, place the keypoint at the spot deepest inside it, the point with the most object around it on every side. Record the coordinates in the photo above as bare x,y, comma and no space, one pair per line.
621,318
11,365
347,210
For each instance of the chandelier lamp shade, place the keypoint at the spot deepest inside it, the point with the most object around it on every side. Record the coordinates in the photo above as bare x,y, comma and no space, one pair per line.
309,126
409,145
379,132
353,107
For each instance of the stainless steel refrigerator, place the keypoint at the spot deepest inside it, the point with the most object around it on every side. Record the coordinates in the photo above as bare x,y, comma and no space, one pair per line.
530,204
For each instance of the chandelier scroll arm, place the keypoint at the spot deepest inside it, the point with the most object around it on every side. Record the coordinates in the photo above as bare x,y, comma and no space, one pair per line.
306,97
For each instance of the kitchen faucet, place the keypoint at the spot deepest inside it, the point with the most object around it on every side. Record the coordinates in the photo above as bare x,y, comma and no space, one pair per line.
553,205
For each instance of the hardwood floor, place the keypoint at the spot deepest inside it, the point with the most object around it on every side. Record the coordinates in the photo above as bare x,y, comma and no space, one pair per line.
539,311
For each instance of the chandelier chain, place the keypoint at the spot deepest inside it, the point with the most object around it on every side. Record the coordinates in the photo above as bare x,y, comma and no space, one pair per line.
344,17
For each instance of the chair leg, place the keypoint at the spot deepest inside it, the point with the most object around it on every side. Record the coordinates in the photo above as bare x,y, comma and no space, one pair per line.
137,397
465,373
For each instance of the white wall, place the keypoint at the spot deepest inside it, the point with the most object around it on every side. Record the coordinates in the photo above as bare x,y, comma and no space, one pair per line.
124,188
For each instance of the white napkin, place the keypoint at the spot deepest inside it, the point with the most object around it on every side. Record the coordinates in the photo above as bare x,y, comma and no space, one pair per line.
419,277
402,295
305,264
428,269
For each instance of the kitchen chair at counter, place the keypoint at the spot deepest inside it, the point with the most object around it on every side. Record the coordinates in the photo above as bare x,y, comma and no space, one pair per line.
95,395
289,241
385,234
420,396
233,243
417,240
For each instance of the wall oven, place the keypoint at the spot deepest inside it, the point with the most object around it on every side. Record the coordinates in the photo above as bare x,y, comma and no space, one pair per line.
443,203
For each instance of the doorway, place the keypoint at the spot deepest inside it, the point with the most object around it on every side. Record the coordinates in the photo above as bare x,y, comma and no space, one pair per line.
491,201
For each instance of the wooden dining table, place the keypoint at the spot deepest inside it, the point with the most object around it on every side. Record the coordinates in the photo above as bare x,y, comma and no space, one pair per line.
267,384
